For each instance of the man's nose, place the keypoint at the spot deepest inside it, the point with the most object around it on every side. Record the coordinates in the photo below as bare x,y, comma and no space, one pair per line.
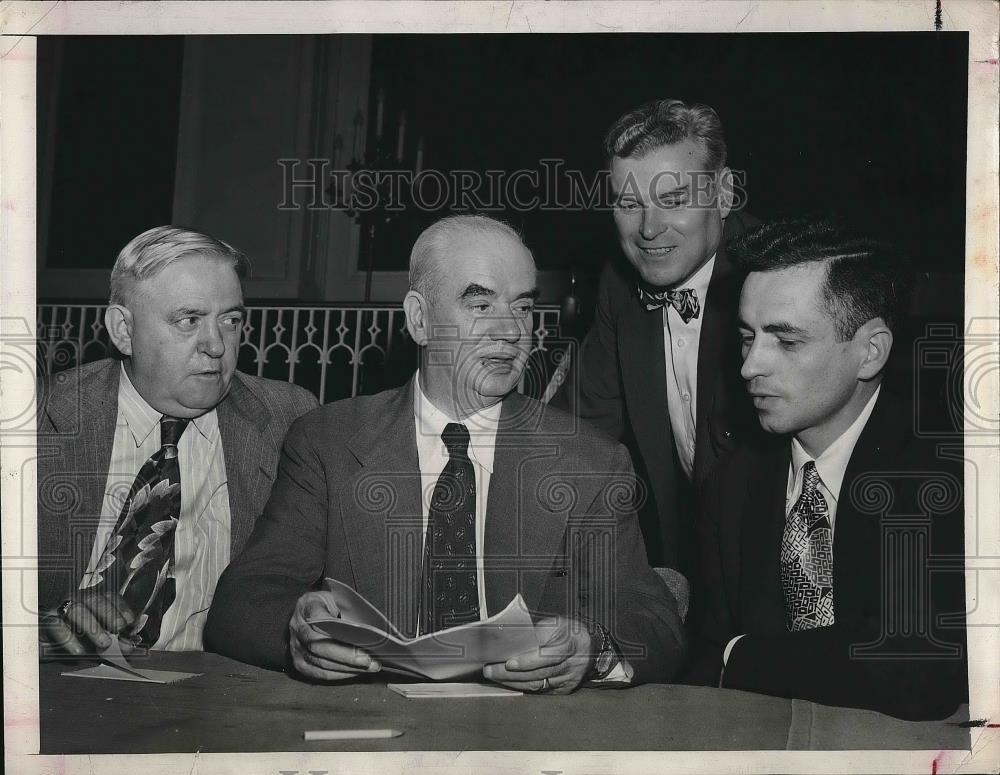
655,221
753,363
211,342
507,327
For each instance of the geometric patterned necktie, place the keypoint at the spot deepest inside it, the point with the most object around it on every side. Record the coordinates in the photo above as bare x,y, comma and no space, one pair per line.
139,552
450,595
807,558
684,300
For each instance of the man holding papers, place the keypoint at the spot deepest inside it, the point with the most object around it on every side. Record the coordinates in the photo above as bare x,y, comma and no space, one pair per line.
441,501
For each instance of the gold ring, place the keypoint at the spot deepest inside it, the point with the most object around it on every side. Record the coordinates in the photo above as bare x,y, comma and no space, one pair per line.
64,607
545,685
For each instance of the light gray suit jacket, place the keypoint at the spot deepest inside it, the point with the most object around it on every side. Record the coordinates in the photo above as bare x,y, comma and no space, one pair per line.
560,529
77,410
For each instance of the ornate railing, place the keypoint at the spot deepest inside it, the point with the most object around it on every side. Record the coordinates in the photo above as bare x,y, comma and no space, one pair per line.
336,351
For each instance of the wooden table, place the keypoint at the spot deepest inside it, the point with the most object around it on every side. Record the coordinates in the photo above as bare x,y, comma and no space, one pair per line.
234,707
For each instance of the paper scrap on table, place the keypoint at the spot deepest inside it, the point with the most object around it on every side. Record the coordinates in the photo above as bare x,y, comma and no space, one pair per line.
117,668
452,653
451,690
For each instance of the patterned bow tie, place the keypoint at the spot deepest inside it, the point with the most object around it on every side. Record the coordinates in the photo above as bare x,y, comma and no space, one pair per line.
684,300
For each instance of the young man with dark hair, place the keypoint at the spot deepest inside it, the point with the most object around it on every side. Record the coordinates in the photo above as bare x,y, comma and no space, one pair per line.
832,549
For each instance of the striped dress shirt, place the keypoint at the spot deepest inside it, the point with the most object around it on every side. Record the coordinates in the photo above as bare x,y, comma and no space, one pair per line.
201,543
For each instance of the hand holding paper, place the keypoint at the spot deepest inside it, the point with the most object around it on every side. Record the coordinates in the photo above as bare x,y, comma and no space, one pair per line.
564,658
87,623
347,618
317,655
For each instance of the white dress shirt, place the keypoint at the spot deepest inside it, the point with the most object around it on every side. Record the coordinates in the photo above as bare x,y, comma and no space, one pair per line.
433,456
201,540
680,350
831,465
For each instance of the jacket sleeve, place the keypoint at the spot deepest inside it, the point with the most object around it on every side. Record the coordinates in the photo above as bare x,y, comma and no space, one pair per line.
592,389
907,660
817,665
645,622
714,629
283,559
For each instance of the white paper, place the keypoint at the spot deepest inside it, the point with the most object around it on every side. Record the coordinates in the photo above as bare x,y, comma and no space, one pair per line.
116,667
452,653
112,673
444,690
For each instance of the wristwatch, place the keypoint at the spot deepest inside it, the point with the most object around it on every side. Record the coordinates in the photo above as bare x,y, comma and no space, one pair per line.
607,657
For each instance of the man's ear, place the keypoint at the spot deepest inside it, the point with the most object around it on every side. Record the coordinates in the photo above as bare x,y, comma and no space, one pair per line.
724,180
118,321
415,309
876,338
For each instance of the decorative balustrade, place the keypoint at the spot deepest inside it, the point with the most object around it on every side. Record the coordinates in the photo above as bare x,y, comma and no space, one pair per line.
336,351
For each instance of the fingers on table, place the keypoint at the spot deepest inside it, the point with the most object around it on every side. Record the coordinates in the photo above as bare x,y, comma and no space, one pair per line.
317,656
94,617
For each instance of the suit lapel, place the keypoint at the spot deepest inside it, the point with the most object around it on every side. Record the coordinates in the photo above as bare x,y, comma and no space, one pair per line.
761,598
857,538
243,423
382,511
713,348
518,530
84,416
643,365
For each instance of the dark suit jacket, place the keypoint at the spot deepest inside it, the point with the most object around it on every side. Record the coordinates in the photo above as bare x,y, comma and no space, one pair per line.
618,382
76,426
897,645
347,505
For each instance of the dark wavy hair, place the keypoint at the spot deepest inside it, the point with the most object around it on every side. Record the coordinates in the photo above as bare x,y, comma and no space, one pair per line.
665,122
865,278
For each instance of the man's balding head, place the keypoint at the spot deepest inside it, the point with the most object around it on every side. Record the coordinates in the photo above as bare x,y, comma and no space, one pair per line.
469,308
430,254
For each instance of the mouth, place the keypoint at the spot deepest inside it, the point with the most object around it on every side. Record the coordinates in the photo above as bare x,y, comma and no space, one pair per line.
499,359
657,252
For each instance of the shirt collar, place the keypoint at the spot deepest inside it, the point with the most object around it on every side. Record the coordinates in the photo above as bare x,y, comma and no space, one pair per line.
832,463
482,426
701,279
141,418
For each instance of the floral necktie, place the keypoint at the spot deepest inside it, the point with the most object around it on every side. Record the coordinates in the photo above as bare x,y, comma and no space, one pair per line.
139,553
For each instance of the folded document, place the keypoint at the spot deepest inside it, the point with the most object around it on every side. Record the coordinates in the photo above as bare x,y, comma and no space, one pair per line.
452,653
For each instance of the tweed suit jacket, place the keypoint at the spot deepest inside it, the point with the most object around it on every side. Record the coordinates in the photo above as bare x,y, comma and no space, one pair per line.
77,412
347,505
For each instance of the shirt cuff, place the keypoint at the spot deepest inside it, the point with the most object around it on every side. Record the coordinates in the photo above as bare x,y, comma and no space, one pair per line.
621,673
729,649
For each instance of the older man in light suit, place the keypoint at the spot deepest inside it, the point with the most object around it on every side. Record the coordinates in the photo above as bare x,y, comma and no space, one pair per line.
153,467
493,493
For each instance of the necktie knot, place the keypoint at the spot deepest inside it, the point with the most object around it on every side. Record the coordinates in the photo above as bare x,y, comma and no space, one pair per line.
456,439
684,300
810,478
171,429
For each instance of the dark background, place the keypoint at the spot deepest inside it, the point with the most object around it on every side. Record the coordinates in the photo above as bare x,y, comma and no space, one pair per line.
870,126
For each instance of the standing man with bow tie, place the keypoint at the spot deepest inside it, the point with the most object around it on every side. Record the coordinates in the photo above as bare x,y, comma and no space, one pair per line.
660,366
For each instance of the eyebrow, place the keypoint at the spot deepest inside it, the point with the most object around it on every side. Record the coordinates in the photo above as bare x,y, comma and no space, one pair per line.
202,312
475,289
776,328
784,328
